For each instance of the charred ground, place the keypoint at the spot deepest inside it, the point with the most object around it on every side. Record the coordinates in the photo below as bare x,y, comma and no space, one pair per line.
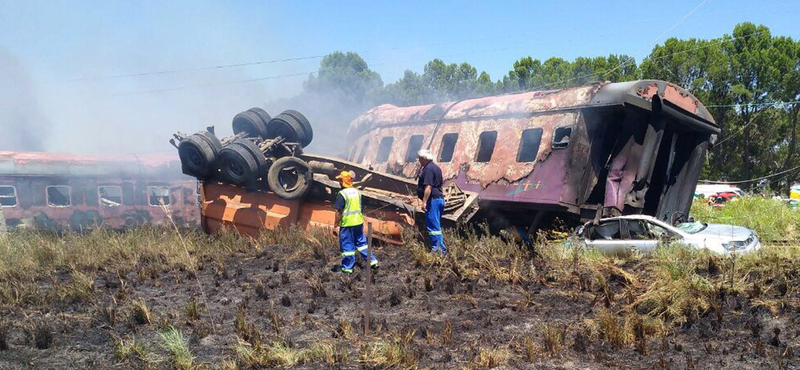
157,298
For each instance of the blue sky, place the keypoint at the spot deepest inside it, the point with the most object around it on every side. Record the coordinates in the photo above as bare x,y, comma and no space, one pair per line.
59,41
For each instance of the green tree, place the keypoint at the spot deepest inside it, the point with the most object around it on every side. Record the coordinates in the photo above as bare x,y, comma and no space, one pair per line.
346,75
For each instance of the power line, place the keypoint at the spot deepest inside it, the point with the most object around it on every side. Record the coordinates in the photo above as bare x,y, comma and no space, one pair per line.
313,72
751,180
320,56
311,57
171,71
777,103
741,129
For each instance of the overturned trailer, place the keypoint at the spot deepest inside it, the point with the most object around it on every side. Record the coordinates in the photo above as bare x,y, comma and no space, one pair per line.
260,178
578,153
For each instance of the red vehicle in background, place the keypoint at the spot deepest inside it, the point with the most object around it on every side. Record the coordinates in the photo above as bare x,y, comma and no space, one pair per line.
721,198
78,192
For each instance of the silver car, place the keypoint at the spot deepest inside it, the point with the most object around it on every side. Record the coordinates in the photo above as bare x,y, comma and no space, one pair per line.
644,233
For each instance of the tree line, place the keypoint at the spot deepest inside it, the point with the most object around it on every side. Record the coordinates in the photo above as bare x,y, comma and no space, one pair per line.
744,78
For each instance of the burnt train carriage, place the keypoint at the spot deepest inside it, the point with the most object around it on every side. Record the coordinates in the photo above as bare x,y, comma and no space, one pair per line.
78,192
583,152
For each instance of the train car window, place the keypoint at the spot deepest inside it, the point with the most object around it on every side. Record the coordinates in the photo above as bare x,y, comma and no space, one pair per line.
448,147
158,195
363,152
561,137
384,149
529,145
8,196
486,146
58,196
414,145
110,196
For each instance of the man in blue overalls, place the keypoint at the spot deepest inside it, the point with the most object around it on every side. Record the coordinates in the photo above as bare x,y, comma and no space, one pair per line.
350,220
429,189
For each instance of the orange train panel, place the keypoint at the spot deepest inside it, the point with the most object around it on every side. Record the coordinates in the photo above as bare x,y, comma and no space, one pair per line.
251,211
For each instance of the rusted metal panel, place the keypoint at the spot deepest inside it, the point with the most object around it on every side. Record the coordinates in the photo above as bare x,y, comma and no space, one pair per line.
252,211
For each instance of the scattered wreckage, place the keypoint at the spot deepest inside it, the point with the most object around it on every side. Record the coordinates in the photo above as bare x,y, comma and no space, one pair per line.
519,161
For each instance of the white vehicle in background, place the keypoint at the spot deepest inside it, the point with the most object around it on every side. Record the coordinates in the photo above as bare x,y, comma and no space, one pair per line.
707,190
619,235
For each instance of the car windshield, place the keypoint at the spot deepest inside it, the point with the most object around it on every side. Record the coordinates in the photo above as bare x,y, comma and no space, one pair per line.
692,227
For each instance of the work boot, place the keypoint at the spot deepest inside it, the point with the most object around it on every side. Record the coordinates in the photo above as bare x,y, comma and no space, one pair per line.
336,268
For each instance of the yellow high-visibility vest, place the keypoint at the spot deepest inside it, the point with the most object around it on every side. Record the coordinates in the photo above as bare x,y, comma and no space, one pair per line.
351,214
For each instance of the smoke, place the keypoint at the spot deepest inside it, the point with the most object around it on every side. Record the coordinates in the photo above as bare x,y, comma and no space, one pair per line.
23,126
328,114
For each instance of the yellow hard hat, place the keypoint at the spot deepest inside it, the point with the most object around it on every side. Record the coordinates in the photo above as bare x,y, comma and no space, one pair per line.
346,178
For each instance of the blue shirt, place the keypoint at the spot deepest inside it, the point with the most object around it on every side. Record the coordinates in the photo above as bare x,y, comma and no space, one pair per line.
431,175
339,203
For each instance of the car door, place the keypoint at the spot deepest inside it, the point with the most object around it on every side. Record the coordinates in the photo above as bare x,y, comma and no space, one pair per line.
606,236
639,235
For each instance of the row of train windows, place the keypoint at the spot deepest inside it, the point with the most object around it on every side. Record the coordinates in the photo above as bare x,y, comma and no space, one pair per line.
529,143
109,196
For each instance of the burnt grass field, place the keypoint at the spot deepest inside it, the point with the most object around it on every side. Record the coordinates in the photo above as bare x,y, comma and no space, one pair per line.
157,298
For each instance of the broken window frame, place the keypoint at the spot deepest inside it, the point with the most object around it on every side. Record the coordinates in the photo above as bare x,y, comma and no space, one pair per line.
480,153
101,197
54,205
150,196
590,234
560,144
414,147
443,146
13,196
384,150
522,145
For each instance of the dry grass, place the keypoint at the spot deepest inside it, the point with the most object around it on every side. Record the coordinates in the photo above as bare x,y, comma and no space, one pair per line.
530,349
192,310
553,337
129,349
327,352
140,313
279,354
491,357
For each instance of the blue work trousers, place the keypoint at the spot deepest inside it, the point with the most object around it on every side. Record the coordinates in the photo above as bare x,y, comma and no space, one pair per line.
433,221
352,239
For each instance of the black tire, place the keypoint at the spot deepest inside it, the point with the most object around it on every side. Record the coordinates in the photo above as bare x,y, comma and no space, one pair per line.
251,123
198,154
241,162
265,117
289,178
289,128
303,124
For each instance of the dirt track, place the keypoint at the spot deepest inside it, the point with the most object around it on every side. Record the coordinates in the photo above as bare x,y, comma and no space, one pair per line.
312,304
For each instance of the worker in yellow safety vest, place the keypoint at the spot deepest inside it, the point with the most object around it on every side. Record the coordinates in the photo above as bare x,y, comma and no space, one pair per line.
350,220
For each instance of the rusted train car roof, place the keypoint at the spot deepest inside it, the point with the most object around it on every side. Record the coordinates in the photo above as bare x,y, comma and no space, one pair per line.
650,95
165,166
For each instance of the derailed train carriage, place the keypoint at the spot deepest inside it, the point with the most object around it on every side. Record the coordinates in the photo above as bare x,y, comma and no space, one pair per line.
80,192
578,153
